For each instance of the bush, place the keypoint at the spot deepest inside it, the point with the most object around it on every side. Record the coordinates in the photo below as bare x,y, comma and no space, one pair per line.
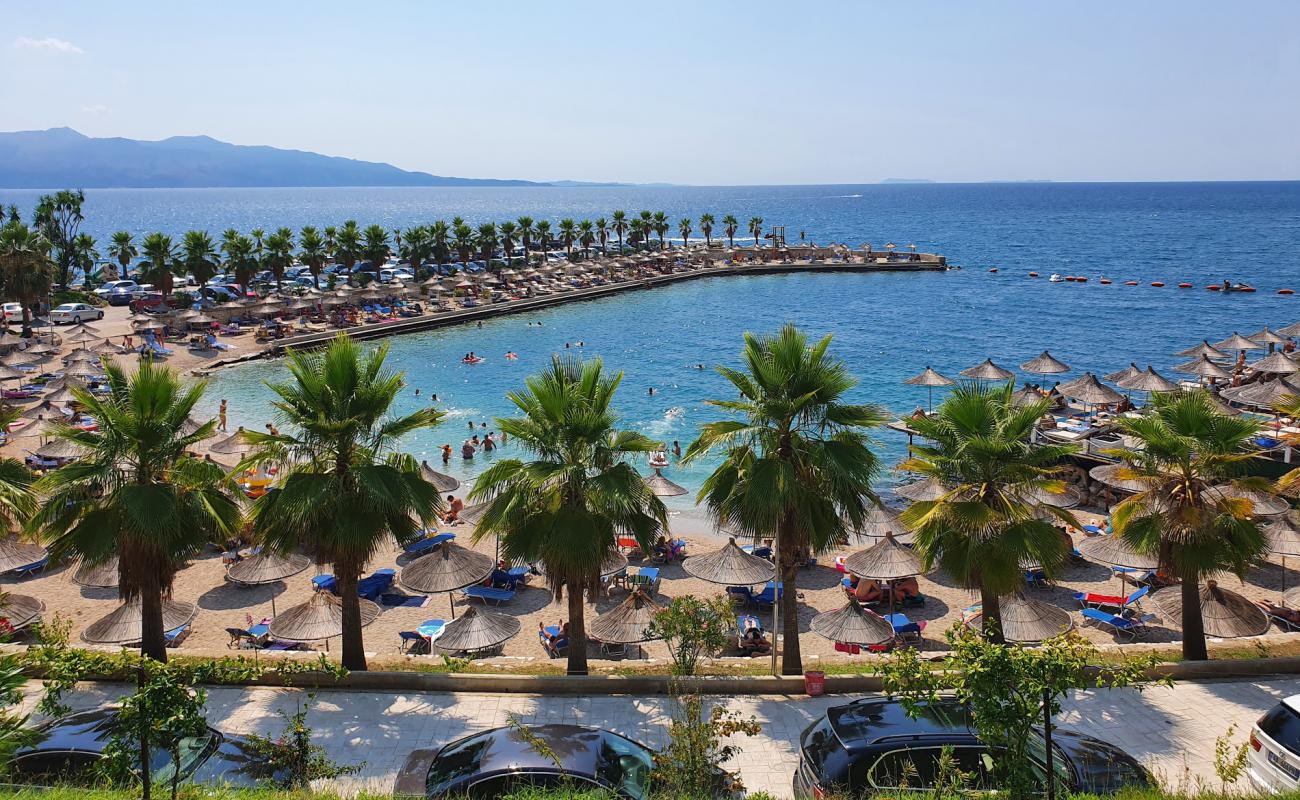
692,764
69,296
292,761
693,628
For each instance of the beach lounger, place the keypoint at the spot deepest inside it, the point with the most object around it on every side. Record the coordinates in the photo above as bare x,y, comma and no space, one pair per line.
768,596
489,594
422,546
509,578
1121,625
375,584
646,577
30,569
175,636
904,628
1090,600
1282,622
1035,577
325,583
238,636
412,643
740,593
556,646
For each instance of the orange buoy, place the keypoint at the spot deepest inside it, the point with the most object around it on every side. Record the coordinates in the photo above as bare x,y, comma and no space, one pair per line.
1033,274
1157,284
1184,286
1130,283
1285,291
1105,281
1082,279
1215,287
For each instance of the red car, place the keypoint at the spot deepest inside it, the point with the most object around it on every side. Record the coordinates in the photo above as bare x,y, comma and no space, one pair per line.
154,303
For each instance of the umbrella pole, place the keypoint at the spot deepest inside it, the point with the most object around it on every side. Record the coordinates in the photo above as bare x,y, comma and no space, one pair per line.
1284,581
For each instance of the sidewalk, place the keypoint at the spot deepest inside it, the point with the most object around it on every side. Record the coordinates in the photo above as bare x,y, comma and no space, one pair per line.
1171,730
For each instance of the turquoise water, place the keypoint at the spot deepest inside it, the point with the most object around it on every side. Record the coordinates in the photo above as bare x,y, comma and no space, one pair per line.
886,327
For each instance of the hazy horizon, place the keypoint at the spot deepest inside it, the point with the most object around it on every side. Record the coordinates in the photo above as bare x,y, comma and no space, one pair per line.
839,94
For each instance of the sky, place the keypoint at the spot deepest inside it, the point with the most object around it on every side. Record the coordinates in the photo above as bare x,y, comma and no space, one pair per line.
714,93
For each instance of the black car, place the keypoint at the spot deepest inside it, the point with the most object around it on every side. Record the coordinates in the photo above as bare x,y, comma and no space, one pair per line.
872,745
70,748
503,760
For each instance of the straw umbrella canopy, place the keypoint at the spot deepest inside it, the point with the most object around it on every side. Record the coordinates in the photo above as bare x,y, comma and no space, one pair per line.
41,349
1262,504
886,560
150,325
1203,367
440,481
15,553
1290,330
629,623
82,354
1109,474
662,487
8,373
1045,364
82,369
61,396
1277,364
191,426
1265,395
201,319
1267,337
730,566
927,489
988,371
478,630
41,427
446,569
1026,396
267,568
233,445
853,624
1203,350
1068,497
1028,621
880,521
472,514
1148,380
1091,391
321,617
124,624
929,379
107,348
1226,615
98,576
1128,373
20,610
1283,540
18,358
1113,551
61,449
1238,342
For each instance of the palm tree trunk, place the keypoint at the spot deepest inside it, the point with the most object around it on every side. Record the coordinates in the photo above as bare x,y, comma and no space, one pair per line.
354,649
577,632
1194,648
791,656
152,642
991,614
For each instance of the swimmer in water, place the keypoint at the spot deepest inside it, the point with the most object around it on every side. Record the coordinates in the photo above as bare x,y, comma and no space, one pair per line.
417,392
650,391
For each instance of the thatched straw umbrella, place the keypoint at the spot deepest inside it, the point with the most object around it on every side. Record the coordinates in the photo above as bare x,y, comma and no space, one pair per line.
61,450
321,617
1262,505
1148,380
927,489
236,444
1027,621
1225,614
15,553
1090,390
1113,551
1045,364
1283,540
265,568
853,624
929,379
20,610
1203,367
1203,350
662,487
1238,342
103,575
124,624
1276,364
1292,598
1068,497
885,560
81,354
1290,330
730,566
1128,373
473,514
83,369
1110,474
1263,395
629,623
882,520
440,481
477,630
988,371
191,426
447,569
1026,396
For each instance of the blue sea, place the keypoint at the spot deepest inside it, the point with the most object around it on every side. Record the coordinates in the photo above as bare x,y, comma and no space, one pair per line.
885,326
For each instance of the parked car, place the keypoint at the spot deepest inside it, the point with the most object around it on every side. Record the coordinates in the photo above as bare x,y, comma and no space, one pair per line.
1273,761
153,303
108,287
872,746
500,761
70,748
123,295
13,311
220,294
75,312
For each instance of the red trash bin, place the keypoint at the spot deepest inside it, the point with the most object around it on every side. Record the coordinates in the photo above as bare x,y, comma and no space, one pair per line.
814,683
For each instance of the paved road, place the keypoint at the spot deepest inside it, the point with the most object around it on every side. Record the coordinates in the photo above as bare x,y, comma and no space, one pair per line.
1172,730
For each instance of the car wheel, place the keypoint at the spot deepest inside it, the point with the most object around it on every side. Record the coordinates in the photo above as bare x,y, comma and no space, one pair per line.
101,315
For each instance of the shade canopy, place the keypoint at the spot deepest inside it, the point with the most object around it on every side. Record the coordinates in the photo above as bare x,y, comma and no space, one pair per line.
662,487
1290,330
441,482
1238,342
1225,614
988,371
1027,621
885,560
1112,475
60,449
20,610
1264,394
236,444
929,377
1292,598
1128,373
472,514
321,617
125,624
1068,497
1283,537
1267,336
1276,363
191,426
15,553
881,520
1090,390
1148,380
267,568
730,566
1205,368
1045,364
478,629
853,624
1113,551
629,623
924,489
1262,505
1026,396
446,569
97,576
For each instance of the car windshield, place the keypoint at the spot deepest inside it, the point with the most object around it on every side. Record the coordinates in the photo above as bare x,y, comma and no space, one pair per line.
1060,766
624,765
192,752
455,762
1282,725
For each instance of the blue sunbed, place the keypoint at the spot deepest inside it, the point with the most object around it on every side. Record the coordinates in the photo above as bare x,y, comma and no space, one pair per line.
490,594
1123,626
421,546
30,569
769,595
325,583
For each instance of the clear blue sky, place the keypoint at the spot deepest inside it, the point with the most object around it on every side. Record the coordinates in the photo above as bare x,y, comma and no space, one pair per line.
685,92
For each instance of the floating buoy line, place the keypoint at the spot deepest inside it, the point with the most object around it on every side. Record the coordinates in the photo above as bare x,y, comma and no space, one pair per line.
1226,287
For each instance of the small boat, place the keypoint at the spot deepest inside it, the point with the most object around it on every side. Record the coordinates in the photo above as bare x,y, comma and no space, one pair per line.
1286,291
659,459
1184,286
1130,283
1158,284
1082,279
1055,278
1104,281
1214,287
994,269
1033,274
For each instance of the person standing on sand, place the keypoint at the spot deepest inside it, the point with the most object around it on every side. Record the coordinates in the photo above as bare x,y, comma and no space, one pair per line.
221,416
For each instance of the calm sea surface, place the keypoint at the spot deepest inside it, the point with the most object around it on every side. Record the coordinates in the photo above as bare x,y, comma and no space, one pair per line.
886,327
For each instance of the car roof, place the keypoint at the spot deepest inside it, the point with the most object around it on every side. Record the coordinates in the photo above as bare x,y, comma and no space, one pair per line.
1293,703
87,731
575,746
872,719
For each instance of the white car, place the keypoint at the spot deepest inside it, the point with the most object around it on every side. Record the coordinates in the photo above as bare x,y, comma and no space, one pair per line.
107,288
13,311
75,312
1273,761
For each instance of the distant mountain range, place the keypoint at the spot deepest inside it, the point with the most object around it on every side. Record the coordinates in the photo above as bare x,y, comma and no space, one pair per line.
63,158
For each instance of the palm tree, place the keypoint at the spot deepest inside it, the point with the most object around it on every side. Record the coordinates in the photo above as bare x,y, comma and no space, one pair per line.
82,254
756,228
347,245
312,252
17,500
639,233
660,226
343,490
486,238
123,249
1187,446
569,504
798,463
418,247
730,225
463,241
25,266
159,264
985,528
375,247
239,251
602,234
509,233
331,234
279,246
138,494
619,227
586,236
544,236
684,228
568,233
526,232
198,256
440,234
706,228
